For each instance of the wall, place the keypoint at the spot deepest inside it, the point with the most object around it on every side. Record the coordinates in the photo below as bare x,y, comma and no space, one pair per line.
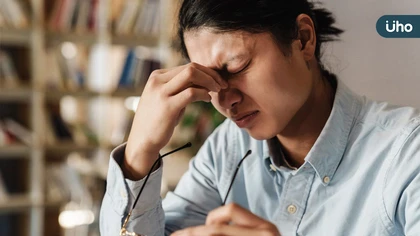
380,68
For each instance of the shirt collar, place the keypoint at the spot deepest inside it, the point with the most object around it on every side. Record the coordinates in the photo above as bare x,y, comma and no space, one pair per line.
329,148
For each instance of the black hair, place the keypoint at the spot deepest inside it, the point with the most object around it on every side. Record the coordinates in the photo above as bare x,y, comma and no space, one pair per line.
256,16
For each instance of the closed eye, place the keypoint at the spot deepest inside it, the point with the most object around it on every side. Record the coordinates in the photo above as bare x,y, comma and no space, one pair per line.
225,74
243,69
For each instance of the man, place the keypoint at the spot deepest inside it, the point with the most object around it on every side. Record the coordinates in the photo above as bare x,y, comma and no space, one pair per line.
324,160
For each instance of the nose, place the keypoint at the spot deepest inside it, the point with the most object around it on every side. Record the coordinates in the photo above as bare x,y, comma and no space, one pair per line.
229,97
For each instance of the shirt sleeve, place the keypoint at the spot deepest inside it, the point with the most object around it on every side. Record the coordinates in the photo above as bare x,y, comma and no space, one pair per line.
402,186
148,216
196,194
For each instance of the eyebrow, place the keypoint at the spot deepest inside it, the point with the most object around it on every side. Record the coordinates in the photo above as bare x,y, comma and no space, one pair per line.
226,64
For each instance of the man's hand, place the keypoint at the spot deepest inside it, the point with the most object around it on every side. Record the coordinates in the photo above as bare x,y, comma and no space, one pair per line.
231,220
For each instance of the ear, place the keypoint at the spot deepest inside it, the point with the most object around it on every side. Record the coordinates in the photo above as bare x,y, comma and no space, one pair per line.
306,36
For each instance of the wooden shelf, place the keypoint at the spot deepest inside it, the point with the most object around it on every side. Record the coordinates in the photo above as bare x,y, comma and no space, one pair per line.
15,151
57,95
88,38
67,147
22,94
126,93
20,37
54,204
119,93
15,202
135,40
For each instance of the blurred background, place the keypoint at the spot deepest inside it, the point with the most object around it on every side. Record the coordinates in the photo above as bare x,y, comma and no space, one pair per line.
72,71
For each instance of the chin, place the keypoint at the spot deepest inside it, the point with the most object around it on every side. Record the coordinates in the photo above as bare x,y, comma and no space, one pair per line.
259,134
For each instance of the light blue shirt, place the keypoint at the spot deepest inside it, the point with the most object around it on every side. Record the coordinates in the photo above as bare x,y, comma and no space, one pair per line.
361,177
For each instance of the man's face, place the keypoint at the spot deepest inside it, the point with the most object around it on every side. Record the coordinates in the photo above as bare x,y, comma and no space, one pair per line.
266,88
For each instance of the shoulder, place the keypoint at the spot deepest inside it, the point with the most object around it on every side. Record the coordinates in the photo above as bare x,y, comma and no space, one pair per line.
399,129
387,116
396,126
384,125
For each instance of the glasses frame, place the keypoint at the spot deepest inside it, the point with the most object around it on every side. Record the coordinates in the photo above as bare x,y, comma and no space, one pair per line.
124,232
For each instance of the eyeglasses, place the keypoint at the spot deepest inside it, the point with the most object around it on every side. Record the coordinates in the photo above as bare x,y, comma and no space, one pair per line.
234,175
124,231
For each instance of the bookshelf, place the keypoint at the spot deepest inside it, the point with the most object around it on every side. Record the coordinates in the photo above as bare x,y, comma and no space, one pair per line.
27,209
15,36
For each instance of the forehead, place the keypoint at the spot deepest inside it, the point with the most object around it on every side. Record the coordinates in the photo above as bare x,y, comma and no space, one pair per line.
215,49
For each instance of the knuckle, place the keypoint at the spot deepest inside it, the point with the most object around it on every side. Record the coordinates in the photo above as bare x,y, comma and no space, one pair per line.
189,71
189,93
164,92
194,65
153,79
231,207
155,73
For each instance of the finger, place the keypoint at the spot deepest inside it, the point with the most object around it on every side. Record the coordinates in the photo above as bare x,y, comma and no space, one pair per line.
169,74
222,230
233,213
212,73
191,76
190,95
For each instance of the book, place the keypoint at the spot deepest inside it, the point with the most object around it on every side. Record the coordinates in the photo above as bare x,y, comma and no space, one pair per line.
127,72
15,13
49,136
56,14
8,74
77,15
67,17
53,77
82,18
71,71
4,195
140,62
128,16
60,128
6,138
93,15
19,131
148,18
115,65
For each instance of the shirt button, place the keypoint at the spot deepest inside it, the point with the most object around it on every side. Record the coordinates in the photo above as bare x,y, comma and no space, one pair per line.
326,179
291,209
272,167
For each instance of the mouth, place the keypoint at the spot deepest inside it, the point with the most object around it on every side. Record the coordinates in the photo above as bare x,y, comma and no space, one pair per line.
244,120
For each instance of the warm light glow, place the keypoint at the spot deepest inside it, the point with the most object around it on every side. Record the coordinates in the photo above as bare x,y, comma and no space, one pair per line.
73,218
69,50
131,103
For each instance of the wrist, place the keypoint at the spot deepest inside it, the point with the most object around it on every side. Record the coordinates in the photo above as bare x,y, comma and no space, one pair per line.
136,164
